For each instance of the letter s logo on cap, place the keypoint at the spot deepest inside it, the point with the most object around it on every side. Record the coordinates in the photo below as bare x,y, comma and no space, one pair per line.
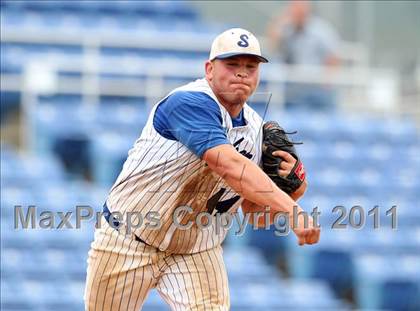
243,43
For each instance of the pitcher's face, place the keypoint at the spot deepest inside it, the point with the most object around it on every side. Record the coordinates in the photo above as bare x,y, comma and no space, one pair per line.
233,79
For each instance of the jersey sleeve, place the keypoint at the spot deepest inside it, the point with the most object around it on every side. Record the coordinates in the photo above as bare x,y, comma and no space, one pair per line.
192,118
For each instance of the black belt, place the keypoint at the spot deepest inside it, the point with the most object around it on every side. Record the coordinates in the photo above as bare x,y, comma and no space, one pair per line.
115,223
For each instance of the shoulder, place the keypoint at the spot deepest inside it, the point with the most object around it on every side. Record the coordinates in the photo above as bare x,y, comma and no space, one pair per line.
190,98
190,105
199,87
182,101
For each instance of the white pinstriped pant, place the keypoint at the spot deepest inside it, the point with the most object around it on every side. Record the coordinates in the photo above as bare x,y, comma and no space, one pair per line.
121,272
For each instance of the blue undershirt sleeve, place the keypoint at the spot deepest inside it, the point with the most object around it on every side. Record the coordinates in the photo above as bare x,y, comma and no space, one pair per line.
192,118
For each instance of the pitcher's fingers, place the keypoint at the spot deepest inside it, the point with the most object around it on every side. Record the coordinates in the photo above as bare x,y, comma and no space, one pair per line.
284,173
285,155
301,240
314,236
286,165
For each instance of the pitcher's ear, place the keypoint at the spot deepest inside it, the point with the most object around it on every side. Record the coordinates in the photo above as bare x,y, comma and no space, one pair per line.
209,67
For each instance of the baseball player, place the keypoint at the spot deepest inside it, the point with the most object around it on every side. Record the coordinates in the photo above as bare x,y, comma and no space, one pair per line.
199,152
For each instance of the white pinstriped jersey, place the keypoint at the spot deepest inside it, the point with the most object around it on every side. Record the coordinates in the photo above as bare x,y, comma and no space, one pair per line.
160,175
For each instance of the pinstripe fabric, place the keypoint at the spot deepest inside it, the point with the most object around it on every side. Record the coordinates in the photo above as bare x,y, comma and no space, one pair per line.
185,266
161,175
121,274
198,285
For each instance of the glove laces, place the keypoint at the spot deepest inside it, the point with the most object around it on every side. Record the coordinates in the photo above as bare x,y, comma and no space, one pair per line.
284,139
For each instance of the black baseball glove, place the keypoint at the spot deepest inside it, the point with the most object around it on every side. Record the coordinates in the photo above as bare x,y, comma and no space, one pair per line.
275,138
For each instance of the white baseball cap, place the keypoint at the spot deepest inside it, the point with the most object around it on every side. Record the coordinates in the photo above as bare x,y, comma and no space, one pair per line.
236,41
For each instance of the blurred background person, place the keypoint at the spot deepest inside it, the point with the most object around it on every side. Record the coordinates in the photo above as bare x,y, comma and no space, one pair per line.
304,39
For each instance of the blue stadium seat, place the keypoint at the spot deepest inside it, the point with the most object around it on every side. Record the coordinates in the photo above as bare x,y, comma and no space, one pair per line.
335,267
379,279
247,264
271,245
335,259
12,196
109,152
401,295
61,119
73,152
68,129
12,296
252,295
11,61
95,15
